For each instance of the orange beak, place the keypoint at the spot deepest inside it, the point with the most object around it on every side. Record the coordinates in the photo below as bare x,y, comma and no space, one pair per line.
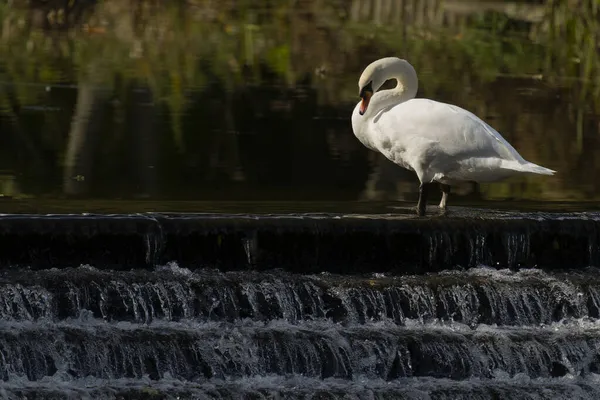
364,103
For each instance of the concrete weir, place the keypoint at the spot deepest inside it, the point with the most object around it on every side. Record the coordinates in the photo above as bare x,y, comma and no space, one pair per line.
302,242
300,305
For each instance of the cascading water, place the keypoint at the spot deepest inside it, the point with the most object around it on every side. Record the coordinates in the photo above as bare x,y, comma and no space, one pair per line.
252,326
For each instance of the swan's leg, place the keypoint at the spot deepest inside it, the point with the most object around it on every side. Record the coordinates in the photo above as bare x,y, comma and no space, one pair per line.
422,204
445,193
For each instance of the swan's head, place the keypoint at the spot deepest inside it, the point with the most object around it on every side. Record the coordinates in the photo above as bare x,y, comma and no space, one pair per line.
365,94
372,78
375,75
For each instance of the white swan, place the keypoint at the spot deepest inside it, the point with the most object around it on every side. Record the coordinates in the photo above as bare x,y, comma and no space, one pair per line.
439,142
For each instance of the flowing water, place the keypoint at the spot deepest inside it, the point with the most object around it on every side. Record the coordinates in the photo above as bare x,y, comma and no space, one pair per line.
263,329
171,332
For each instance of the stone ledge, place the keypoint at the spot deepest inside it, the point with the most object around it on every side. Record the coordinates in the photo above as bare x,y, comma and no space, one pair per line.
306,243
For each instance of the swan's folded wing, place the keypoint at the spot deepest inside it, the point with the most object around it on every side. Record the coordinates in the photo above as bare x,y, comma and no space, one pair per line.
457,132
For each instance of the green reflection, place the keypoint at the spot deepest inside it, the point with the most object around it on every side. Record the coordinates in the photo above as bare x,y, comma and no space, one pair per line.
211,100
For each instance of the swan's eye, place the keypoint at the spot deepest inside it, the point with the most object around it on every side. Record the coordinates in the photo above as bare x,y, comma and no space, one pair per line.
367,90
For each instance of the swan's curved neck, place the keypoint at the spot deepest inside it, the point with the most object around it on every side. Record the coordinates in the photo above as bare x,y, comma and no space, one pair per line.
405,89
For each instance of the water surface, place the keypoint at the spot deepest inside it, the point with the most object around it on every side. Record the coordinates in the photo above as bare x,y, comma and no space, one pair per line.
199,101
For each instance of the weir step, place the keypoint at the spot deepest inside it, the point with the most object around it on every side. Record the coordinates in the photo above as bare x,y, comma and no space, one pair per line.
304,243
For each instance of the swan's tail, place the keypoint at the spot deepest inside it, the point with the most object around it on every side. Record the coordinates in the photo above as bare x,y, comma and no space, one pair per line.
529,167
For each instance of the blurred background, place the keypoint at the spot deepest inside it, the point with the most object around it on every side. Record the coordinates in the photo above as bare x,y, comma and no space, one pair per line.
216,100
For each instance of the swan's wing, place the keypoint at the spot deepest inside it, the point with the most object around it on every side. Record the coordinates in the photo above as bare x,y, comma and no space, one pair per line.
477,125
456,132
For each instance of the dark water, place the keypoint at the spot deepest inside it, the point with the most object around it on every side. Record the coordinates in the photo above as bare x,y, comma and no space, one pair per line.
251,101
318,282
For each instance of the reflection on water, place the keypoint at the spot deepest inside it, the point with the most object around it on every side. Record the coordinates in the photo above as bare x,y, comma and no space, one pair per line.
204,100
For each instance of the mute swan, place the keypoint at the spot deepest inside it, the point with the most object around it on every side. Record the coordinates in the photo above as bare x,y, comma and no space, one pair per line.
439,142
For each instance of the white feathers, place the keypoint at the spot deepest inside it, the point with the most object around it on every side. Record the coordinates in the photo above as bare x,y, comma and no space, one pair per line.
440,142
